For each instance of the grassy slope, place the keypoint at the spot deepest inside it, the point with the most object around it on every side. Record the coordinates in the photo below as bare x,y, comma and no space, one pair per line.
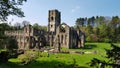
58,60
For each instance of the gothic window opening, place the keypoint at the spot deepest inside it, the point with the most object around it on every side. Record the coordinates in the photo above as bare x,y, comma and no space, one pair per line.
58,38
51,26
26,30
29,29
65,39
32,44
62,28
33,40
52,18
62,39
27,39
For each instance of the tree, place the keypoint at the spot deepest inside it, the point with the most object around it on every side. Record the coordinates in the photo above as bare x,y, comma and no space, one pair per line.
96,21
36,25
24,23
114,27
17,25
3,27
93,20
100,20
88,31
115,21
96,31
39,27
118,34
10,7
80,21
89,21
105,28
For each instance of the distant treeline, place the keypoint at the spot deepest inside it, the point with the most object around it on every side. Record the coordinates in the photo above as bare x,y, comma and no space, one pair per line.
100,28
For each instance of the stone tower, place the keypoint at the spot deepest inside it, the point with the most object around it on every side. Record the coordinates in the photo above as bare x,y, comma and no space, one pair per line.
54,19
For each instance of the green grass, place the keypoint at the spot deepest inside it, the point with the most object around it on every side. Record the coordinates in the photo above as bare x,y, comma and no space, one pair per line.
64,60
3,50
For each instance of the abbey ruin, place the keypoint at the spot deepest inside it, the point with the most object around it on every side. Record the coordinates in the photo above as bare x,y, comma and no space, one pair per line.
57,35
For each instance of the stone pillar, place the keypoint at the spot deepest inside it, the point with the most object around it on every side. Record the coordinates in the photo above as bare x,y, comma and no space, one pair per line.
82,41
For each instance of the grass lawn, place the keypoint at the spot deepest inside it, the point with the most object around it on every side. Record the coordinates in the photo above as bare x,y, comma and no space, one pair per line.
64,60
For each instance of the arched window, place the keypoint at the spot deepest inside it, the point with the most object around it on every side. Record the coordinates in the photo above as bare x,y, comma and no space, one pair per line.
62,39
51,26
25,29
52,18
62,28
65,39
58,38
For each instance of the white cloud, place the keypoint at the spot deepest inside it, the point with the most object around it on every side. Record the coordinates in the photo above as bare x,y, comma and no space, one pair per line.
76,8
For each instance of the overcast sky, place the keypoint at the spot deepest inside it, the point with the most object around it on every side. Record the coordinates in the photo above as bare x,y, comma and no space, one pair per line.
36,11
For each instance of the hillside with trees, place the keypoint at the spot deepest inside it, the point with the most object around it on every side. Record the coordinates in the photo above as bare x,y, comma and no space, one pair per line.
100,28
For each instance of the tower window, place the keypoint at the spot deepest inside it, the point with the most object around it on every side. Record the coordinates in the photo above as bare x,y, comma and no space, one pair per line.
52,18
51,25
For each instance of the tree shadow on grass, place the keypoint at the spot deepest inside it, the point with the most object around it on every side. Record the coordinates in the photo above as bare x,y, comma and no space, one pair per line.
89,46
41,64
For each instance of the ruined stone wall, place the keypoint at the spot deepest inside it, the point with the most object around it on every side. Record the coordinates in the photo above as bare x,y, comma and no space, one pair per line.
58,35
68,37
73,39
80,38
28,38
62,36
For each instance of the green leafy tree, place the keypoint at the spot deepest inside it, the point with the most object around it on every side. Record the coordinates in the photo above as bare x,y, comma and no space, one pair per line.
105,29
93,21
80,21
115,21
101,20
115,24
97,21
89,21
10,7
3,27
39,27
36,25
118,34
88,32
96,31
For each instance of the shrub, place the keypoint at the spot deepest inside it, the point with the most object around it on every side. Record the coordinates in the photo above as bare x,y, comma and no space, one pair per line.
94,38
4,56
27,57
106,40
23,57
88,39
